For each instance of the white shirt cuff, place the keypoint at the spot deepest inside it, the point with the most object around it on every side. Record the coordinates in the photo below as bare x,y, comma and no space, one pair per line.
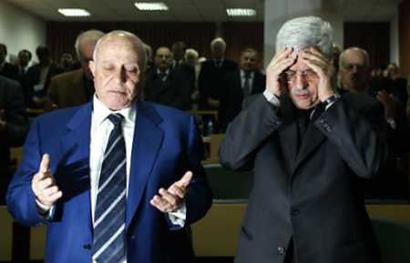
178,217
45,212
271,98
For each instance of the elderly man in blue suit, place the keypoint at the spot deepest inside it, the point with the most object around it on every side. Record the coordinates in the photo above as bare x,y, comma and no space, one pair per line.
117,179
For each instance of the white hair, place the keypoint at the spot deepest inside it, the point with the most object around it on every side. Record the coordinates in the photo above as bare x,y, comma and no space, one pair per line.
191,52
89,35
303,32
134,39
218,41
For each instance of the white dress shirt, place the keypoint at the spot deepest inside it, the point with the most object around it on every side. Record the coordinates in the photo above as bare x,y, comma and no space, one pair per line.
243,79
101,128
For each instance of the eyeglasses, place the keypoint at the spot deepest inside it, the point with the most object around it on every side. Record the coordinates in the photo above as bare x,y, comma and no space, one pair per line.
307,75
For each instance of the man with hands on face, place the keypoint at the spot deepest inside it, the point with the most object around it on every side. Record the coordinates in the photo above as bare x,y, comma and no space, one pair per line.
308,151
117,179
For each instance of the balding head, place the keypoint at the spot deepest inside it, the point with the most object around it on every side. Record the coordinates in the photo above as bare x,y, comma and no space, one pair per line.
127,37
354,69
119,61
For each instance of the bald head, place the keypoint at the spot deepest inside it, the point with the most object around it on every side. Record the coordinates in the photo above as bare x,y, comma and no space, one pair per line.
118,63
354,69
127,38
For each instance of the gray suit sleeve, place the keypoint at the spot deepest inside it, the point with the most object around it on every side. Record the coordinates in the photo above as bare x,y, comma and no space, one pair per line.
247,132
360,145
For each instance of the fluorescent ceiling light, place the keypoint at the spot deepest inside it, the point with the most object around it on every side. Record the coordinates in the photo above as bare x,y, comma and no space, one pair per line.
73,12
151,6
241,12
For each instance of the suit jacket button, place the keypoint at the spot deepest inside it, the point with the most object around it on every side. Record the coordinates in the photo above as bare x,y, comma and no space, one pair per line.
87,246
281,250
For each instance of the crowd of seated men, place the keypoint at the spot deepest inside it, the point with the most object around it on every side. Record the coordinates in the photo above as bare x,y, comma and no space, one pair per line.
177,76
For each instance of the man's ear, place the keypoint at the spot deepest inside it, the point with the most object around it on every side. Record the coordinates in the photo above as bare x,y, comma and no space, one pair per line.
91,66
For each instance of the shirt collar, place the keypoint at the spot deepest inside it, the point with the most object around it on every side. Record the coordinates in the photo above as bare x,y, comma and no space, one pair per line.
243,73
166,72
101,112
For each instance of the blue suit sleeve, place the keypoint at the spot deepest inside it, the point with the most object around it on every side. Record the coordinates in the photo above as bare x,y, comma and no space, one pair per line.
20,199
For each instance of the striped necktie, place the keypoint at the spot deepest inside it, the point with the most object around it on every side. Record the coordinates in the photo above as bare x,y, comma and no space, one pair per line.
109,225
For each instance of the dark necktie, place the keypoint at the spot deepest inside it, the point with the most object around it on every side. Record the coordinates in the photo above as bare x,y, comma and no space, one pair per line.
109,225
305,118
247,84
302,125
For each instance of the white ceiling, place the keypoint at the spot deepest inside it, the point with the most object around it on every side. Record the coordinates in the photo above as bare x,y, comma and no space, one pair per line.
198,10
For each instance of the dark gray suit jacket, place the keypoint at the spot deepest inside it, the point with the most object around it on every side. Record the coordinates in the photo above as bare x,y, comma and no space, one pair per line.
314,195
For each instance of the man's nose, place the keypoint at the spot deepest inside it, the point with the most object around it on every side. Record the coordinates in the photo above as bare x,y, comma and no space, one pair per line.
300,80
121,75
355,69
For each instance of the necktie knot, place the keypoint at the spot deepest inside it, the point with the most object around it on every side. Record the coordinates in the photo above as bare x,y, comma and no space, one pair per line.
115,118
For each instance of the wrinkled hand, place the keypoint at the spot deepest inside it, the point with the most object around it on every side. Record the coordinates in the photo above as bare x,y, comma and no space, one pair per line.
324,69
282,60
171,199
388,103
44,185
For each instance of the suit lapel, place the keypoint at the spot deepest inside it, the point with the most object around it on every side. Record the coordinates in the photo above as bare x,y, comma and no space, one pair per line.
146,143
76,170
311,140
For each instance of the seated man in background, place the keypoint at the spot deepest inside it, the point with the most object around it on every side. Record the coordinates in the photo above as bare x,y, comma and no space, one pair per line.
354,78
309,152
117,179
13,128
75,87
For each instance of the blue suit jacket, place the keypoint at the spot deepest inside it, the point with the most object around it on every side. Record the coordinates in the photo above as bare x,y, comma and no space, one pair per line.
165,145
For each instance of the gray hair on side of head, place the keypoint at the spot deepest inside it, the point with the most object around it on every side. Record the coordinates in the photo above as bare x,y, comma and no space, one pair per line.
137,42
304,32
91,35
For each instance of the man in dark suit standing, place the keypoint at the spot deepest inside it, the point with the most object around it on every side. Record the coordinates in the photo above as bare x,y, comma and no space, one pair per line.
13,127
38,78
240,85
212,73
6,69
165,85
309,151
117,179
